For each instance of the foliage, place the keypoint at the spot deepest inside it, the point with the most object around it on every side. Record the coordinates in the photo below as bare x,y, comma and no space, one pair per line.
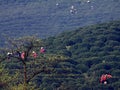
27,66
6,78
95,49
73,60
43,17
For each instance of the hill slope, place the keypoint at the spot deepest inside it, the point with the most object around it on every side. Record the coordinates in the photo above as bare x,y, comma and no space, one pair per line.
95,50
91,51
47,18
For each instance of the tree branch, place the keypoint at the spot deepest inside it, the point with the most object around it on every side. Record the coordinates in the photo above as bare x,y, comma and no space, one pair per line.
38,72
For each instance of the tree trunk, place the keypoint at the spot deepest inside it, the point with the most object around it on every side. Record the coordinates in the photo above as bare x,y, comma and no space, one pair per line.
25,77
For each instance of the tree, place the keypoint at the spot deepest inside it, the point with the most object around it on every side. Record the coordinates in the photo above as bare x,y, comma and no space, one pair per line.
5,78
21,50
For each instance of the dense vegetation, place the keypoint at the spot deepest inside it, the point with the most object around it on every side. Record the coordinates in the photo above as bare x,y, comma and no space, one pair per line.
90,51
45,18
94,50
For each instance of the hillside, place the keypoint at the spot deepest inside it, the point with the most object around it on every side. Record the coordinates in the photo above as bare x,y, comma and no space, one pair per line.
91,51
47,18
94,50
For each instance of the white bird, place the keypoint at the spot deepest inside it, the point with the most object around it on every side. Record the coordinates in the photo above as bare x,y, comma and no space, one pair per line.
92,7
88,1
57,4
72,7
